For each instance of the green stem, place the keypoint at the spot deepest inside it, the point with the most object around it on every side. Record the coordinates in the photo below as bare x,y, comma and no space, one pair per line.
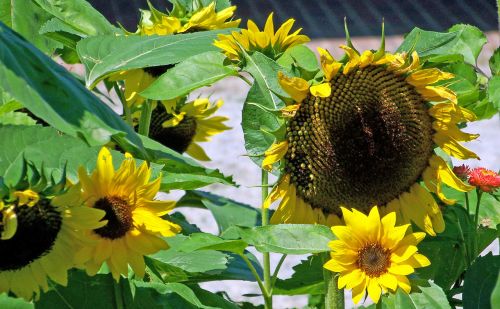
126,108
467,203
379,304
266,255
145,120
334,297
476,214
118,294
276,271
462,238
255,274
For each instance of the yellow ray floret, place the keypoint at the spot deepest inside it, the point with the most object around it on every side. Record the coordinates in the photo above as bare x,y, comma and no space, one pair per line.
374,255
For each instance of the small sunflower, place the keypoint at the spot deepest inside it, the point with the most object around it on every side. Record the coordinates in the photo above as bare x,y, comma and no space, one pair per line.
268,42
373,254
366,136
191,124
154,22
134,225
39,239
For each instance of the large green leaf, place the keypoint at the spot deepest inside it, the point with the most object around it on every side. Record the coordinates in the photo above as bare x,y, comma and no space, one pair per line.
14,303
495,295
480,279
182,172
495,62
26,18
226,212
465,40
307,278
447,251
204,241
106,54
194,72
78,14
54,95
287,238
494,92
428,295
258,125
302,59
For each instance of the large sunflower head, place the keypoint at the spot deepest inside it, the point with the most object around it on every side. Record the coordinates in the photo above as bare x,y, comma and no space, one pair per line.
267,41
191,124
373,254
39,237
180,20
366,136
134,225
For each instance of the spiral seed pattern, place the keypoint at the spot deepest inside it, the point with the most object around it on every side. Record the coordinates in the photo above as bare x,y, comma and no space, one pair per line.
362,146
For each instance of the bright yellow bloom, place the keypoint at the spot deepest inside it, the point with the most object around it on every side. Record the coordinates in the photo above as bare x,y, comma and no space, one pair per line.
268,42
373,254
206,18
365,136
191,124
41,242
134,225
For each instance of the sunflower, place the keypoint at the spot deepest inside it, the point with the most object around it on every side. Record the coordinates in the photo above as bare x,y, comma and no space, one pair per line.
268,42
366,136
39,239
134,225
373,254
183,130
154,22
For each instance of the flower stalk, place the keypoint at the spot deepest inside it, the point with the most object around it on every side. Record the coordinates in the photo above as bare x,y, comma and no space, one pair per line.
145,120
334,297
268,298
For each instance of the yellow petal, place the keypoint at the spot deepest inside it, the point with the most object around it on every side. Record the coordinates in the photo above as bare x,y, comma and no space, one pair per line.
451,113
290,110
446,175
374,290
427,77
274,154
328,64
437,93
278,191
296,87
354,59
365,59
322,90
452,147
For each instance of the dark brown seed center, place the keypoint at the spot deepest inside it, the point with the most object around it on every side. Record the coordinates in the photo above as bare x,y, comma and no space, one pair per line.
177,138
374,260
362,146
118,214
37,230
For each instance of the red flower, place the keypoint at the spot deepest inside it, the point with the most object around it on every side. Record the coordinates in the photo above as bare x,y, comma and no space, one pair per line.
484,179
462,171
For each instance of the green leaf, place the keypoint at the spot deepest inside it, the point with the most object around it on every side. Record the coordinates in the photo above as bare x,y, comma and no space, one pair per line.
163,289
258,124
470,42
61,32
194,72
204,241
465,40
495,62
106,54
307,278
495,295
26,18
480,279
14,303
429,296
88,292
78,14
494,92
191,261
182,172
16,118
226,212
302,58
54,95
288,238
447,251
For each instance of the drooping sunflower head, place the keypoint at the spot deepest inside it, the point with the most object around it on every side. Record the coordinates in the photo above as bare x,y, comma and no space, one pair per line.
366,136
267,41
39,238
134,226
373,254
191,124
